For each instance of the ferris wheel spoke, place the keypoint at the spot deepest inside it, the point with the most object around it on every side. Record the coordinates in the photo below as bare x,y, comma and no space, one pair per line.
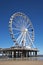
16,25
30,29
17,33
30,32
29,37
24,23
19,36
19,22
25,39
27,22
29,42
21,39
28,25
15,29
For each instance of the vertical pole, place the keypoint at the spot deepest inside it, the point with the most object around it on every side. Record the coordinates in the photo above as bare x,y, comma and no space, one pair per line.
26,53
18,53
30,53
12,54
35,53
21,54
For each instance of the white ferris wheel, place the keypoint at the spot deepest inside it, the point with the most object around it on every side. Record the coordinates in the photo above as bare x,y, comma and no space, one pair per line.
21,30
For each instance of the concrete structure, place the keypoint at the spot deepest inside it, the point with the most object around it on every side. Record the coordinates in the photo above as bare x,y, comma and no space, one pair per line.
19,52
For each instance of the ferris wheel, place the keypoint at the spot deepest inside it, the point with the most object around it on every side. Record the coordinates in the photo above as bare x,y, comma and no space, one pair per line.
21,30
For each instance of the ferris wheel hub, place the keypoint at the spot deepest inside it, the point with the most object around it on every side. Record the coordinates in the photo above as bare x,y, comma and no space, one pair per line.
26,30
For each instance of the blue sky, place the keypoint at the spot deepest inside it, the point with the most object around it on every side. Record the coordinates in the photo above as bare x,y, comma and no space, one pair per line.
32,8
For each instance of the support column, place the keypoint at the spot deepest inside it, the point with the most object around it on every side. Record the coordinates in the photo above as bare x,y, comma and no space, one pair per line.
23,53
2,53
18,53
26,53
35,53
12,54
30,53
